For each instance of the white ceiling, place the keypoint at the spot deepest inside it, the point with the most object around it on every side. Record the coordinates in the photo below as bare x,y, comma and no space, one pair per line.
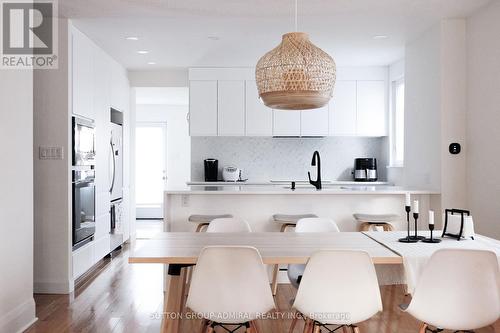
176,31
162,95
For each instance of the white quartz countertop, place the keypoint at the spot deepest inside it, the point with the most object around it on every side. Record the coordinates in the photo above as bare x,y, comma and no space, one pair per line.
300,190
282,183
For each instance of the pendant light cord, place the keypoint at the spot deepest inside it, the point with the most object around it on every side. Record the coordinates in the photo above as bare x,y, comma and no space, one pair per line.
296,17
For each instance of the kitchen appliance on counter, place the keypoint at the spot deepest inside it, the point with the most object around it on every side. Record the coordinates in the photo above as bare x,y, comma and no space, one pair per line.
116,178
211,166
83,186
365,170
231,174
83,139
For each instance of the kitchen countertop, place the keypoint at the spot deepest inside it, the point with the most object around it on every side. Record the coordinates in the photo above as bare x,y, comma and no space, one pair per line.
300,190
282,183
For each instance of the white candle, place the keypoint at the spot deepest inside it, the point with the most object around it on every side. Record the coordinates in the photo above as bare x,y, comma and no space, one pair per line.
431,217
415,206
407,198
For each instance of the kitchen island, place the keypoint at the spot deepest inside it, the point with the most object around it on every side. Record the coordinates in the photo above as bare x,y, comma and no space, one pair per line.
257,204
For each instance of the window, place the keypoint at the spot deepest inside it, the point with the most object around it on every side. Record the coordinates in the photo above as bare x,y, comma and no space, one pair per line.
398,123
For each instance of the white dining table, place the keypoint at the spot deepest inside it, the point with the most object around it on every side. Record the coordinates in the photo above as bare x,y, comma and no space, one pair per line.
181,249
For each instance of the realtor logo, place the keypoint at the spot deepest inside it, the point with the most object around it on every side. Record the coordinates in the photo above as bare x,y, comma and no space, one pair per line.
29,34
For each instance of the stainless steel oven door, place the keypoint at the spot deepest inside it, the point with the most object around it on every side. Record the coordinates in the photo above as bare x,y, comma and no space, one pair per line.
83,142
83,207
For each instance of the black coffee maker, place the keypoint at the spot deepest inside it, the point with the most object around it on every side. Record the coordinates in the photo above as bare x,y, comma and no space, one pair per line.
211,169
365,170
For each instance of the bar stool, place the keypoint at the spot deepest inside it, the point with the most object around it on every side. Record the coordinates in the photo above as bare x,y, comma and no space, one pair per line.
204,220
286,221
368,221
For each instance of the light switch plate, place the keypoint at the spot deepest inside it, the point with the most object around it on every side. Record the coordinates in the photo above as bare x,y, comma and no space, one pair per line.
51,153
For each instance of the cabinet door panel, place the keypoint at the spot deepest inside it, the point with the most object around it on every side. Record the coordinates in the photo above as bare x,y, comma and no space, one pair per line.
343,109
203,108
231,108
82,89
314,122
259,118
286,123
371,107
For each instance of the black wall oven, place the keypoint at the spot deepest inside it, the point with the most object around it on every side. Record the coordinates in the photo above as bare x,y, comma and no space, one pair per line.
83,207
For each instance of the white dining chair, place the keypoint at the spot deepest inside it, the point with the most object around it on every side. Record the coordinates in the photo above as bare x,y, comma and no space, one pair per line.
230,286
228,225
332,292
315,224
458,290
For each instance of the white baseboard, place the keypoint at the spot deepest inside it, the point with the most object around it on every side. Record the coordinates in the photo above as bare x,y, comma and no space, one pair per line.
19,318
65,287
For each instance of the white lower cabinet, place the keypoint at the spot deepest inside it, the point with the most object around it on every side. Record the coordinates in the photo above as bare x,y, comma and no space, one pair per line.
83,259
286,123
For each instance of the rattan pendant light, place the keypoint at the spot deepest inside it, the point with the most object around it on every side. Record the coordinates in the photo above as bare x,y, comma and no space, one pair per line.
296,75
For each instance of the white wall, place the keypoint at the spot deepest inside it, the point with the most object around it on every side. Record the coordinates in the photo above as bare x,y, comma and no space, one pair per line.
483,119
422,111
17,307
52,179
178,140
174,77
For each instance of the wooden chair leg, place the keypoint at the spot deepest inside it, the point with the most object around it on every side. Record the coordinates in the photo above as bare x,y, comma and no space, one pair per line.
254,326
204,325
294,322
274,284
355,329
250,329
390,227
308,326
344,329
364,226
316,329
423,328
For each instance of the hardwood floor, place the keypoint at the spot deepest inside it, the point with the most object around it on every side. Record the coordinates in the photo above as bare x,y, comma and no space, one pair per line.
120,297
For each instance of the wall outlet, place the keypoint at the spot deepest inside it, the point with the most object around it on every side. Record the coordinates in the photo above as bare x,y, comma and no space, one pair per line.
185,200
51,153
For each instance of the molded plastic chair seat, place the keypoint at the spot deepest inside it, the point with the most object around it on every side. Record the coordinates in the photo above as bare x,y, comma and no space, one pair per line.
228,225
291,219
332,292
458,290
230,285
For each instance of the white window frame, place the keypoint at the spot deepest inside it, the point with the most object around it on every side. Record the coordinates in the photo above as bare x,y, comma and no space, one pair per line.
392,137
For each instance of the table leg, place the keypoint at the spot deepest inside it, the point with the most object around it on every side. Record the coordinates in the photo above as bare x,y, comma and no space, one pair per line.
172,303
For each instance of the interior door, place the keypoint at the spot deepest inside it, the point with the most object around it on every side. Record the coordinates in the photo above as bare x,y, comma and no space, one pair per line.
150,171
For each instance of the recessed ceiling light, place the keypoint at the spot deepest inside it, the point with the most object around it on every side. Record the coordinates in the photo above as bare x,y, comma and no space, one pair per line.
143,52
380,37
213,37
132,38
151,63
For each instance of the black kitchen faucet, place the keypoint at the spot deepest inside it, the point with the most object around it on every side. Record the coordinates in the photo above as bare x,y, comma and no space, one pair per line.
316,160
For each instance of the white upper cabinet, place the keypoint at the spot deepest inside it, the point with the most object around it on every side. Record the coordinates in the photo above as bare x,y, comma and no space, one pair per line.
286,123
203,108
82,72
119,87
343,109
371,108
231,108
314,122
225,102
258,117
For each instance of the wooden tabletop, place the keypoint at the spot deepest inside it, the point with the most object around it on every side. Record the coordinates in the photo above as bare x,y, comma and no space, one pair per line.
274,247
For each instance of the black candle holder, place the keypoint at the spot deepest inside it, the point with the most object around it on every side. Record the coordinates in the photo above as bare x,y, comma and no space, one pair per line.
431,239
408,238
416,237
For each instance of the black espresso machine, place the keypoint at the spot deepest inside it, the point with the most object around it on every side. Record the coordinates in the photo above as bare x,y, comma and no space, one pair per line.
365,169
